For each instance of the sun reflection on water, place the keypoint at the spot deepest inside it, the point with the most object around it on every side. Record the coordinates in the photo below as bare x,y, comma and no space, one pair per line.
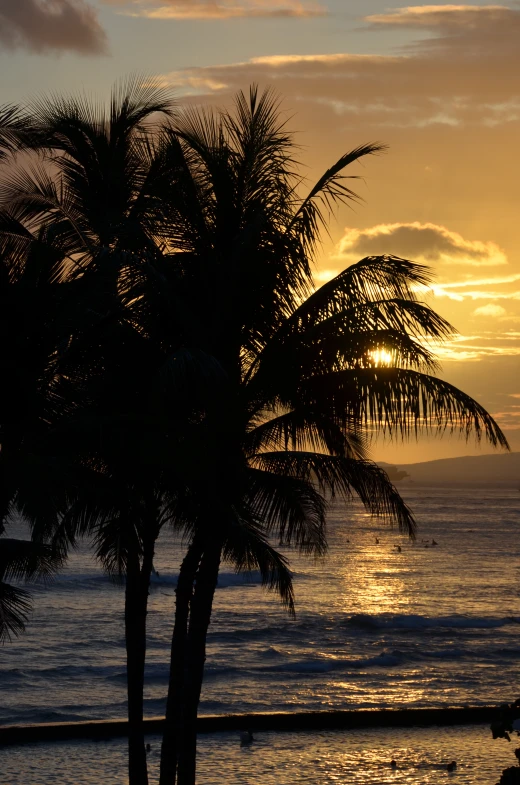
376,578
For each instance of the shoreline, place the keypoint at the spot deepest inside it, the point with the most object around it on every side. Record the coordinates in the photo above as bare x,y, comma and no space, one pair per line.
283,721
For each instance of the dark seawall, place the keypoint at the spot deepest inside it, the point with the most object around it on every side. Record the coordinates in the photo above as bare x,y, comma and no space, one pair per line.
283,721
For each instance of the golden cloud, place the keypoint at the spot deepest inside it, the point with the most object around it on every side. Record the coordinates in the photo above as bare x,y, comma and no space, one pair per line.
476,347
426,242
218,9
447,16
490,309
443,290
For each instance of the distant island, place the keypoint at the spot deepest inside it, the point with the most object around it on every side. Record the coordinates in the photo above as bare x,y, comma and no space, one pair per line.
498,469
395,474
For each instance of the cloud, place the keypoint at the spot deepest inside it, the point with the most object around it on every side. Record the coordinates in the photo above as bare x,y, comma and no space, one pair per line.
492,281
51,26
508,419
450,20
426,242
219,9
477,347
464,71
470,289
443,290
490,310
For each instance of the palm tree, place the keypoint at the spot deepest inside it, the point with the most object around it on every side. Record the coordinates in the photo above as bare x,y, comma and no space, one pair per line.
93,200
207,383
20,560
300,379
32,296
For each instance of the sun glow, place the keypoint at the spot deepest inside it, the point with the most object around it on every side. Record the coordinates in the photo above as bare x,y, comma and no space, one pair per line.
381,357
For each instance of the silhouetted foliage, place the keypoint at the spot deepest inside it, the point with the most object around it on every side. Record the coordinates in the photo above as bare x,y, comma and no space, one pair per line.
507,724
171,362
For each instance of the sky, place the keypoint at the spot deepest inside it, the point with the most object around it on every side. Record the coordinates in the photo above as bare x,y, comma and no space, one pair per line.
439,84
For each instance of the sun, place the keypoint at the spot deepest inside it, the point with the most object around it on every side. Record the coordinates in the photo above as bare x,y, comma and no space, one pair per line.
381,357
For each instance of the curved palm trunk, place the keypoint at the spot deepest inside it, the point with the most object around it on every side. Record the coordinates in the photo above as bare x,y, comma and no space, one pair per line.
136,603
178,662
200,617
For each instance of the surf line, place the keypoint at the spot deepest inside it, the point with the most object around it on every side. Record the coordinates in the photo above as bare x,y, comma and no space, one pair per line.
282,721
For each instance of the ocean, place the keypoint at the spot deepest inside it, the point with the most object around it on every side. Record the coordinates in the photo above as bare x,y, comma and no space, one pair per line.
380,622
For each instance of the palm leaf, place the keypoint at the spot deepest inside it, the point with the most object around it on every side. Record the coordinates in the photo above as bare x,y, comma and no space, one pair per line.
289,508
303,428
247,548
15,127
15,606
399,401
336,475
328,193
26,560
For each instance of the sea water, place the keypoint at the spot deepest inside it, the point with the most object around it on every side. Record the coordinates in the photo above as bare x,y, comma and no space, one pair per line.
380,622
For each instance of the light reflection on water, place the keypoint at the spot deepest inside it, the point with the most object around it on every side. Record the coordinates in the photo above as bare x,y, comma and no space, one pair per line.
321,758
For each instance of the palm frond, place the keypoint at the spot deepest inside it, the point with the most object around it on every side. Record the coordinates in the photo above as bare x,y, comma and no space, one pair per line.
26,560
329,192
15,606
373,300
246,548
135,99
289,508
303,429
35,198
15,127
400,402
345,477
377,289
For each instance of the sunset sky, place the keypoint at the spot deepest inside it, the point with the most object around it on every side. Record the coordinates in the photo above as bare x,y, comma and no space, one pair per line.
440,84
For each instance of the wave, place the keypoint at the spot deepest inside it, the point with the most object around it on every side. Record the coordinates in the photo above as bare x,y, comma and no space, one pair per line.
328,664
225,579
99,580
385,659
34,715
73,581
386,621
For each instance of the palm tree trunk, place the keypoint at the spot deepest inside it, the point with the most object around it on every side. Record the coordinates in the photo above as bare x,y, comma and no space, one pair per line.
200,616
178,662
136,603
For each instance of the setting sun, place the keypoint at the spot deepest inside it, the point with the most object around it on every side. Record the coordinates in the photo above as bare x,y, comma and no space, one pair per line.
381,357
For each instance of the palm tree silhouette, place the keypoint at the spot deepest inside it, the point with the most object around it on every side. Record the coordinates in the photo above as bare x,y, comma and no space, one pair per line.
32,295
194,376
300,382
87,199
